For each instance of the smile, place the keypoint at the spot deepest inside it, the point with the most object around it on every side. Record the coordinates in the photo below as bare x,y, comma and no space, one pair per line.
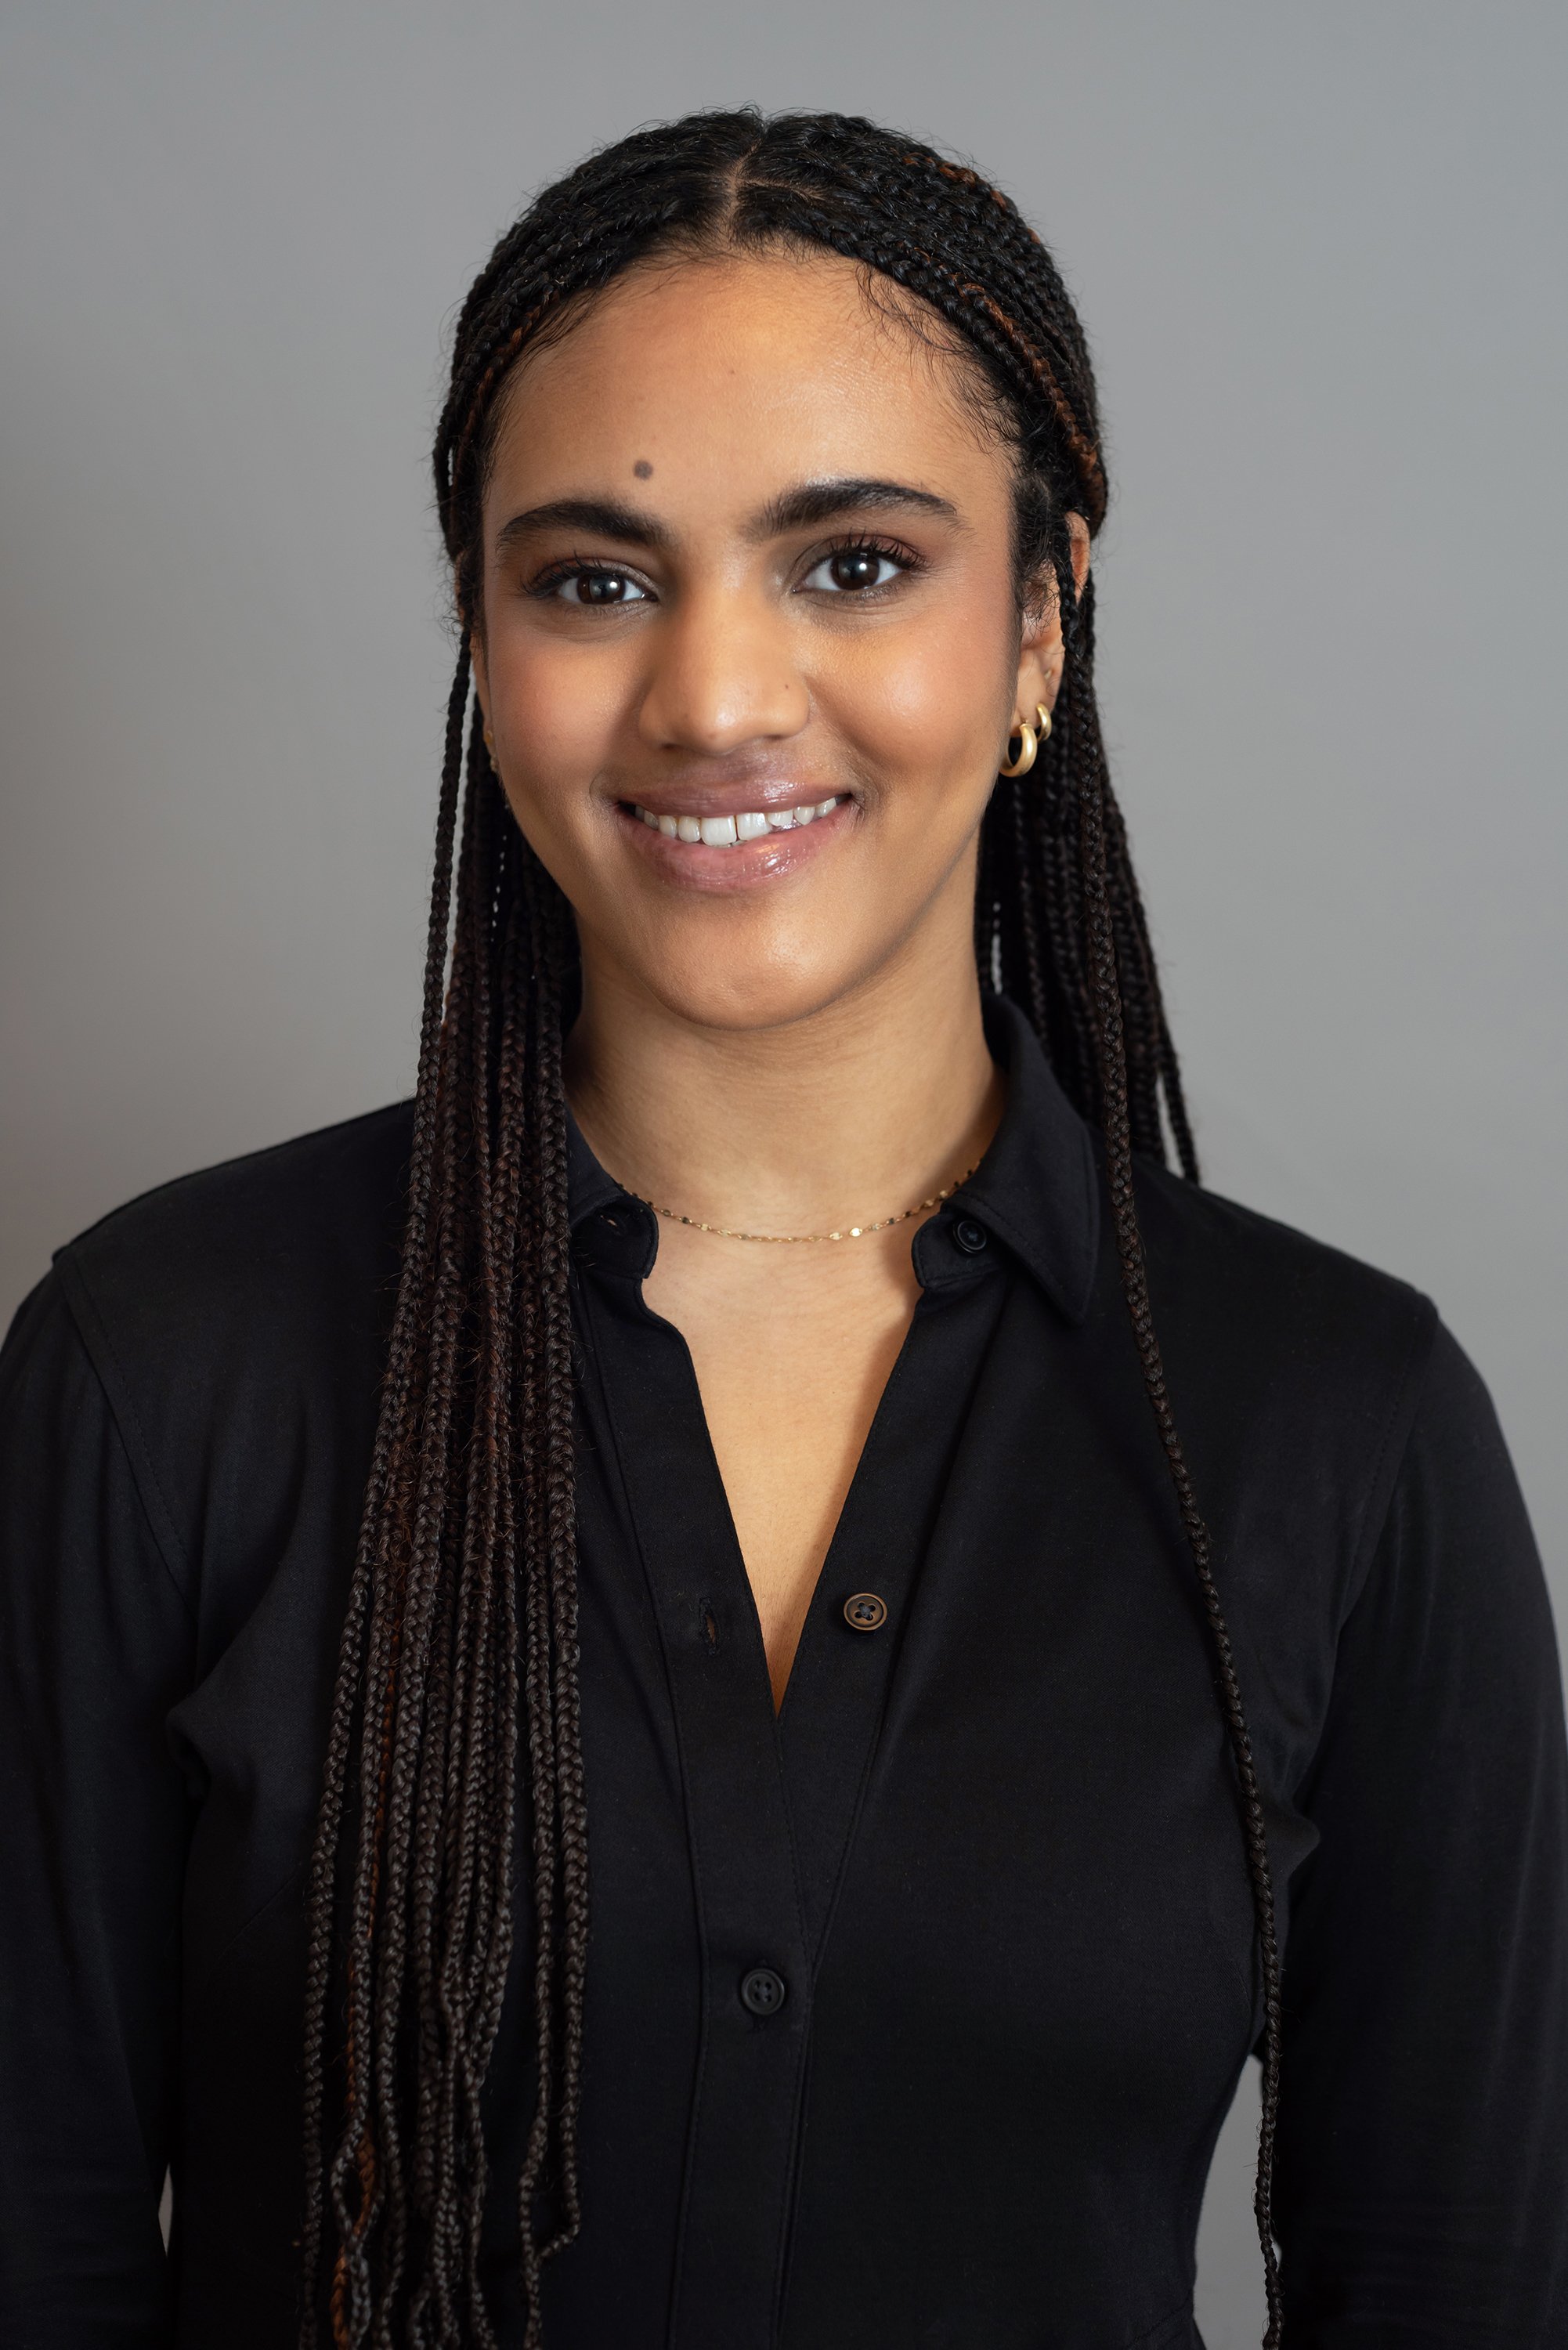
731,831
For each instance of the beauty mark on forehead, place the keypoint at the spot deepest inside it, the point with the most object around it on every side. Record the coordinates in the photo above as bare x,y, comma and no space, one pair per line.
643,469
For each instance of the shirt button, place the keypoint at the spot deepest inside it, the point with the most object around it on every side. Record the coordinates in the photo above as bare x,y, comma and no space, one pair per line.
762,1991
866,1612
971,1237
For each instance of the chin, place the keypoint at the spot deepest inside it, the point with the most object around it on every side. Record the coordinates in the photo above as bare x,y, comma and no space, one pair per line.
749,994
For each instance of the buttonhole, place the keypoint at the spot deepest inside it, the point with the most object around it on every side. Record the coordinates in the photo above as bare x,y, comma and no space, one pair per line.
710,1626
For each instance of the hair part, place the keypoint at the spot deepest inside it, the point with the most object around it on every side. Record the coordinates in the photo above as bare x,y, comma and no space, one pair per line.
452,1794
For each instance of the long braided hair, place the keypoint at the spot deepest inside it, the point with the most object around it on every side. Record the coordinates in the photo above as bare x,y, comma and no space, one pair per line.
452,1794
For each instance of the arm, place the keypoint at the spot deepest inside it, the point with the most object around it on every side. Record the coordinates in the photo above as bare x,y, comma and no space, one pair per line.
1423,2159
95,1645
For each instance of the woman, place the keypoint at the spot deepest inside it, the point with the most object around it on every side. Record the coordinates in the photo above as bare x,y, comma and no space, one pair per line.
783,1829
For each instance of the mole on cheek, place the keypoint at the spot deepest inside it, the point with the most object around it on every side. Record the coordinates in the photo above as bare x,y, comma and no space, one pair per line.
642,469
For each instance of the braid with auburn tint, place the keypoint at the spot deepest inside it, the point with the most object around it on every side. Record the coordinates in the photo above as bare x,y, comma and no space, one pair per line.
453,1749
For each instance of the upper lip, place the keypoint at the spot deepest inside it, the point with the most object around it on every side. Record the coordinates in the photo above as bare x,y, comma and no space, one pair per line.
730,799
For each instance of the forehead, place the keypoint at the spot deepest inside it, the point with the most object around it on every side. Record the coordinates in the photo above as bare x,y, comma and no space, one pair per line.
734,372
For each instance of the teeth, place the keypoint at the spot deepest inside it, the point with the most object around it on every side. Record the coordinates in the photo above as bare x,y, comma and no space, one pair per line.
725,831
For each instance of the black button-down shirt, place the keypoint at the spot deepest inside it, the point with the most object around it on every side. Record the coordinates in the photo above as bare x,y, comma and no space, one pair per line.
913,2010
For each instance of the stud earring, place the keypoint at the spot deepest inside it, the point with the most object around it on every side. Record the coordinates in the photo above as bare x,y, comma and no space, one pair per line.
490,747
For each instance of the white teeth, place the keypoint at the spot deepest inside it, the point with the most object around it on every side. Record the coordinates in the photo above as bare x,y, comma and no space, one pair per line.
725,831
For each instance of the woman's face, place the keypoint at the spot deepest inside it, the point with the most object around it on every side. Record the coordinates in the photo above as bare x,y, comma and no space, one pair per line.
751,652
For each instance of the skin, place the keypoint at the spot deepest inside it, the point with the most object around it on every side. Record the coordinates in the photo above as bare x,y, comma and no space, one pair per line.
785,1036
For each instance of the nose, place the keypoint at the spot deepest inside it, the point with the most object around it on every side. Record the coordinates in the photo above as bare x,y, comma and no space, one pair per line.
725,676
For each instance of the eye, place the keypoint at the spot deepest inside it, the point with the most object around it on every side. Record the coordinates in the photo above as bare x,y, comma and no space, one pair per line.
593,584
856,570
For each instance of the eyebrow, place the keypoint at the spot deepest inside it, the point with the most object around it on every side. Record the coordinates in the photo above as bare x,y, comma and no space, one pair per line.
810,502
803,507
606,517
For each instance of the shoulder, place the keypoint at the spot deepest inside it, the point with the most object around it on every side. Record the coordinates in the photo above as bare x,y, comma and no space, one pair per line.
1340,1438
1296,1372
276,1238
1257,1289
231,1328
282,1191
237,1319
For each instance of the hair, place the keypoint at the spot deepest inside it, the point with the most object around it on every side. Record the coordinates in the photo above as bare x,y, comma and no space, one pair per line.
457,1676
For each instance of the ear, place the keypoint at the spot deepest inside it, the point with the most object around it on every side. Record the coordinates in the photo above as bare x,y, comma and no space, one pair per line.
481,674
1041,652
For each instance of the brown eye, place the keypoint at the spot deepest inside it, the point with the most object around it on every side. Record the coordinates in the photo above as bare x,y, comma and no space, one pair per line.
598,588
851,570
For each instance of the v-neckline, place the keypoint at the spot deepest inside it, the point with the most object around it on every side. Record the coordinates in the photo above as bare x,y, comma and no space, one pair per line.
818,1743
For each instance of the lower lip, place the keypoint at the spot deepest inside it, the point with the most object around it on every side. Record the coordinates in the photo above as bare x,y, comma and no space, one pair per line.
691,865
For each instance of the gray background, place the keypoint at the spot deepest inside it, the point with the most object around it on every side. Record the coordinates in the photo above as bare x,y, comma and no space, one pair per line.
1319,251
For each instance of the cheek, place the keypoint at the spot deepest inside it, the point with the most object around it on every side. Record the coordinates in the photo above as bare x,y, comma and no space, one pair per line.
555,716
925,707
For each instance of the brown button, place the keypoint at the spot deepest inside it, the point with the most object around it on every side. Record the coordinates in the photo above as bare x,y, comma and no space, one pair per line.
865,1612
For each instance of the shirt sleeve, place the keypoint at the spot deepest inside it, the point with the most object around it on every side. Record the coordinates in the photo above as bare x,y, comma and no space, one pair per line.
96,1644
1423,2155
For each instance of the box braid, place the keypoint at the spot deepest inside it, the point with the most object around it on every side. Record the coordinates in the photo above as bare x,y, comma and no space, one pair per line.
453,1743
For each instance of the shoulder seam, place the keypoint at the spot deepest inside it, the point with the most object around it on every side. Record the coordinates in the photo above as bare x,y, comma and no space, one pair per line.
1403,1400
99,1348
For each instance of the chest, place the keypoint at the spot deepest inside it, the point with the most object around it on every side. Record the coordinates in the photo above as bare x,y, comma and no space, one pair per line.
1001,1816
791,1349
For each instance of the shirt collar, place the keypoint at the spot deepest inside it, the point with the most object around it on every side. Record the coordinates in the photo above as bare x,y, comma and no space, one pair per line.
590,1190
1036,1188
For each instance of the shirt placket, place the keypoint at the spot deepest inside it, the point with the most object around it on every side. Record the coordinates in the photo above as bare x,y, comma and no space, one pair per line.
756,1976
770,1804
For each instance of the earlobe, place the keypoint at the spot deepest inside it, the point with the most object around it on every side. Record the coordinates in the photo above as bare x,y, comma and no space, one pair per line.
481,695
1040,666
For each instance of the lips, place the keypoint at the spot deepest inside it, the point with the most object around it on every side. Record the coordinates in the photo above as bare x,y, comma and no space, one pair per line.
687,825
730,850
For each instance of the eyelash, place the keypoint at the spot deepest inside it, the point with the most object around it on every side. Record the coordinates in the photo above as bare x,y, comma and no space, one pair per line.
588,568
884,549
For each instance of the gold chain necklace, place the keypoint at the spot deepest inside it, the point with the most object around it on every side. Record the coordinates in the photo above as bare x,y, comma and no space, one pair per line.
796,1240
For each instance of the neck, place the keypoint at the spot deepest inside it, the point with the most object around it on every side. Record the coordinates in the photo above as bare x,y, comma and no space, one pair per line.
854,1111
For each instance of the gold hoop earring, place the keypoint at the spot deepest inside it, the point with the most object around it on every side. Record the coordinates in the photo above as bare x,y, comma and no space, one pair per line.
490,747
1043,729
1026,759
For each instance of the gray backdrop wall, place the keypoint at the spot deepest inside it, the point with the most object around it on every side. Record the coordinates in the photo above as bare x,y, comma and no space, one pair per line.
1319,251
